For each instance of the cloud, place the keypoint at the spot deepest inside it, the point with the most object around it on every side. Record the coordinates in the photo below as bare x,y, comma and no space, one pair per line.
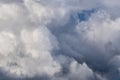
24,46
18,57
80,72
49,39
77,72
100,36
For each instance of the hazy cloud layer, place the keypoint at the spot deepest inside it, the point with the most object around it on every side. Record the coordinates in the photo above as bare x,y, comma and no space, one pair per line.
60,39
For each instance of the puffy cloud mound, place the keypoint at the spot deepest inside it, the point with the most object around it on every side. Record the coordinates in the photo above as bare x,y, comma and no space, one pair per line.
60,39
25,48
28,56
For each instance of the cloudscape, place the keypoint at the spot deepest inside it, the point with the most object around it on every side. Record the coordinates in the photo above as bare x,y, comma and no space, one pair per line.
59,40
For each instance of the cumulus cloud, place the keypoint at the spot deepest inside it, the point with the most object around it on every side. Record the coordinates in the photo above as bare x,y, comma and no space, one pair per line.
18,57
50,39
80,72
24,45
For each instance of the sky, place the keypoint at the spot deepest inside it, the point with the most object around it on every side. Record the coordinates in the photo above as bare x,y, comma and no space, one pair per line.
59,40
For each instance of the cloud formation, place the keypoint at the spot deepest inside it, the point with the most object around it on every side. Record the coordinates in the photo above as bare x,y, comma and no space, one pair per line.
52,41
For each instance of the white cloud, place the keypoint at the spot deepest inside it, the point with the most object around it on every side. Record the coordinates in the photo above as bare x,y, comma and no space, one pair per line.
19,57
24,44
77,71
80,71
7,43
27,39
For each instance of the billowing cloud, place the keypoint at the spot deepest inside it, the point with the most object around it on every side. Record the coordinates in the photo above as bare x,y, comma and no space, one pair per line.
24,45
80,72
19,57
52,40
